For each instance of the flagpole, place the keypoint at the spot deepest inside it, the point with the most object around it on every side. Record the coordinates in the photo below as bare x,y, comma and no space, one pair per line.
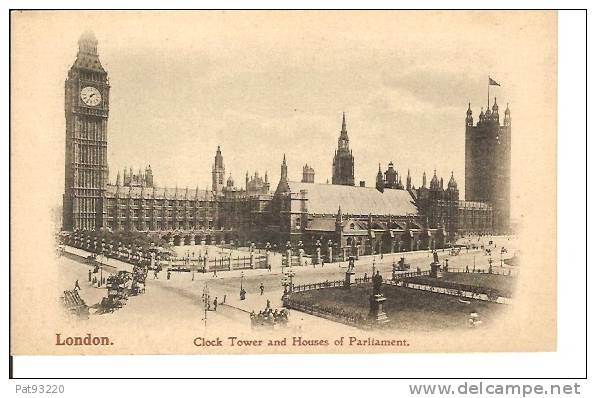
488,95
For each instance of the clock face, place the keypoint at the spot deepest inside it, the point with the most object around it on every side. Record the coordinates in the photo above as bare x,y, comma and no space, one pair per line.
90,96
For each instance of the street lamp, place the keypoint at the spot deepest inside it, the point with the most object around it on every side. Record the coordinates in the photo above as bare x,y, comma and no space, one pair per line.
373,266
242,291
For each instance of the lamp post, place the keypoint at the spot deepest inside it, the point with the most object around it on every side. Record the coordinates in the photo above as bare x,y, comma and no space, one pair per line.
373,266
242,291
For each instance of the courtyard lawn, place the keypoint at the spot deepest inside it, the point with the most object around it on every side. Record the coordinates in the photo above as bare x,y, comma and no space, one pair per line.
407,309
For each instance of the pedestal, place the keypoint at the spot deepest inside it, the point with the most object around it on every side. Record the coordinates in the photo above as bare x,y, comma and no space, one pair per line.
434,268
376,314
349,279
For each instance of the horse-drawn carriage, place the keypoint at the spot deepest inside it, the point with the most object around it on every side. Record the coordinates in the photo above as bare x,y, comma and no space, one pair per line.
402,265
118,287
269,318
139,275
455,251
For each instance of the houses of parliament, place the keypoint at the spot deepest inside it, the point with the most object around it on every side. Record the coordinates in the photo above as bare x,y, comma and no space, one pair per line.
392,215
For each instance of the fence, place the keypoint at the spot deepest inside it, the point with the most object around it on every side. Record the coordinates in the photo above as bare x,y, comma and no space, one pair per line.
336,313
492,297
316,286
508,272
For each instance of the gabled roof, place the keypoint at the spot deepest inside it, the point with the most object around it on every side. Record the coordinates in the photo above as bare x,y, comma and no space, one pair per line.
327,198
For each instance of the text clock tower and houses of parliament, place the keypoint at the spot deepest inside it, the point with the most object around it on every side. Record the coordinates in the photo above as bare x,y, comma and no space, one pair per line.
86,164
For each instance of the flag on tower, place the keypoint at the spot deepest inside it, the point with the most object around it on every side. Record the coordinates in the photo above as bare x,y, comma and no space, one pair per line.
491,82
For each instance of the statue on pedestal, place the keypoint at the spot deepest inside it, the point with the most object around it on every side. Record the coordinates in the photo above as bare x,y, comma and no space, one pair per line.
377,281
349,273
376,313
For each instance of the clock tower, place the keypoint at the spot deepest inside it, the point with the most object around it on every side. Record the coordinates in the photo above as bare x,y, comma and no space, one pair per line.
86,165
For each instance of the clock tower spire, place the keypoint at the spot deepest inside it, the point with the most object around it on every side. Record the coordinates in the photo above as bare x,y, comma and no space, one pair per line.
86,92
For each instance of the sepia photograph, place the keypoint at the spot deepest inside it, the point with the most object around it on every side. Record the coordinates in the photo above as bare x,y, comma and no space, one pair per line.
258,182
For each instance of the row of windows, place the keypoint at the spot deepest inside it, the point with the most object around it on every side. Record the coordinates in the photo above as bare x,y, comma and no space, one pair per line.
169,213
164,226
160,203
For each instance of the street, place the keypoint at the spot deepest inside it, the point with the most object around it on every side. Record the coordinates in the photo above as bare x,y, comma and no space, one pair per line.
179,299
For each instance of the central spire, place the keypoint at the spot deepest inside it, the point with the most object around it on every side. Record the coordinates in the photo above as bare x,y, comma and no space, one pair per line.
343,160
343,142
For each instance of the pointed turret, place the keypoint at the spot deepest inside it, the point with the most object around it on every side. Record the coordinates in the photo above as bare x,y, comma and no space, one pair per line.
408,181
380,183
434,182
452,183
469,117
507,118
339,218
118,178
424,179
284,169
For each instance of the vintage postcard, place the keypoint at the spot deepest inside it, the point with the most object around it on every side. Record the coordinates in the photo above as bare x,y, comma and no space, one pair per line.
250,182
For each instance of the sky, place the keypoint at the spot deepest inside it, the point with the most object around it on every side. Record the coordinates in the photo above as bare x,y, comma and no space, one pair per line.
265,84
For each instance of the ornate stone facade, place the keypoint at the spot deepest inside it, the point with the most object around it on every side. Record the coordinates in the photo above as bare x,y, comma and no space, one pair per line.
87,105
488,163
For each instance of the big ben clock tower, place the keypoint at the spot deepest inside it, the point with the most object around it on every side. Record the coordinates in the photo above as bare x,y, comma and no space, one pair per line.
86,165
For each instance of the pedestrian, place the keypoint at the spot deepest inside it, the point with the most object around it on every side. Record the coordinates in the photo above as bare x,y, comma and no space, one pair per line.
76,286
215,304
268,304
224,299
365,277
155,274
169,274
269,266
262,288
214,271
89,275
